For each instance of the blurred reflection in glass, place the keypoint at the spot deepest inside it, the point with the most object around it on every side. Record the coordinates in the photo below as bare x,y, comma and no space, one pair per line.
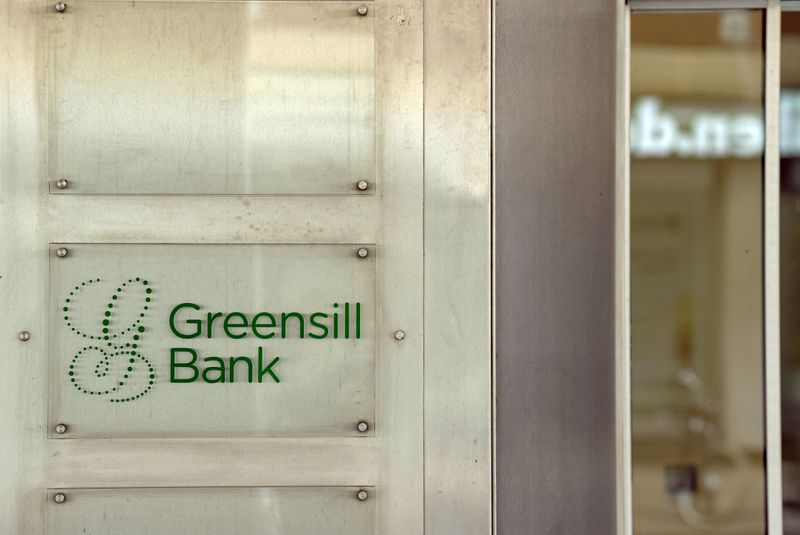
790,268
697,141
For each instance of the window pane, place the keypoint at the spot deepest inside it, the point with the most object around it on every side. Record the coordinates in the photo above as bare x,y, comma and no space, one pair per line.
697,142
790,268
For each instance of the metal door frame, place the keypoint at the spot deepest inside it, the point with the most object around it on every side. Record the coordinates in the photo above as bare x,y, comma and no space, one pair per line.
771,262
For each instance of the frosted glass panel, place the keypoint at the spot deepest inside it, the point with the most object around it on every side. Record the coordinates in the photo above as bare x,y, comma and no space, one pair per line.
211,97
240,511
211,340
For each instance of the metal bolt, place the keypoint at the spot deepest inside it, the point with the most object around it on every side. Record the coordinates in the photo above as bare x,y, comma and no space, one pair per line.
61,7
363,427
61,428
61,252
362,10
399,335
362,495
60,498
362,185
24,336
62,183
363,252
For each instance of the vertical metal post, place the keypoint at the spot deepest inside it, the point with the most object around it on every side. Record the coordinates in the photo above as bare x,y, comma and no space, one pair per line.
623,302
555,267
458,365
772,338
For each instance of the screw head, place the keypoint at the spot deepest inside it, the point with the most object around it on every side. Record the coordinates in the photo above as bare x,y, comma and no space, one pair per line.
362,495
61,428
61,252
362,427
362,10
24,336
60,498
362,185
399,335
62,183
363,252
61,7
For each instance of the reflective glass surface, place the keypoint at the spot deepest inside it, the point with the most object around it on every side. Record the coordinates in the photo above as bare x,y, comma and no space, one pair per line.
211,97
207,511
790,268
211,340
697,142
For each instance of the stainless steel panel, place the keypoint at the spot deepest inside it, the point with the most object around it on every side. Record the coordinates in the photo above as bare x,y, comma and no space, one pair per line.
211,511
458,379
31,218
211,97
140,333
555,266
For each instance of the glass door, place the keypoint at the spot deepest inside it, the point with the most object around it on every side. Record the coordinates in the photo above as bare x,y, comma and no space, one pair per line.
697,142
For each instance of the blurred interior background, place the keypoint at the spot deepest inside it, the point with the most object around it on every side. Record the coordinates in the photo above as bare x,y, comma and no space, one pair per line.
697,145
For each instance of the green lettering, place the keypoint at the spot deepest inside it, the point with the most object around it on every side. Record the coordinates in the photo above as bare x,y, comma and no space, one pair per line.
324,328
347,321
228,324
301,323
358,320
257,325
173,365
335,323
198,328
233,361
211,318
219,369
268,370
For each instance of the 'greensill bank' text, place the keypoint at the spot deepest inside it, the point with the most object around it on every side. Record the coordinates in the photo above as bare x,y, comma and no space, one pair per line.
188,321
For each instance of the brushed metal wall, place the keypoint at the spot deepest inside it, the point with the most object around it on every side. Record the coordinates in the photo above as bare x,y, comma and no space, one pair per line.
554,200
33,462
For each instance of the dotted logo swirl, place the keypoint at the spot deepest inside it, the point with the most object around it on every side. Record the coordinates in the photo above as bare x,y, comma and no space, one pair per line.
116,370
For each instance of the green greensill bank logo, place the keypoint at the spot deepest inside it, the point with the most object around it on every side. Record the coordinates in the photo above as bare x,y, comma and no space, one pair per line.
121,373
112,367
